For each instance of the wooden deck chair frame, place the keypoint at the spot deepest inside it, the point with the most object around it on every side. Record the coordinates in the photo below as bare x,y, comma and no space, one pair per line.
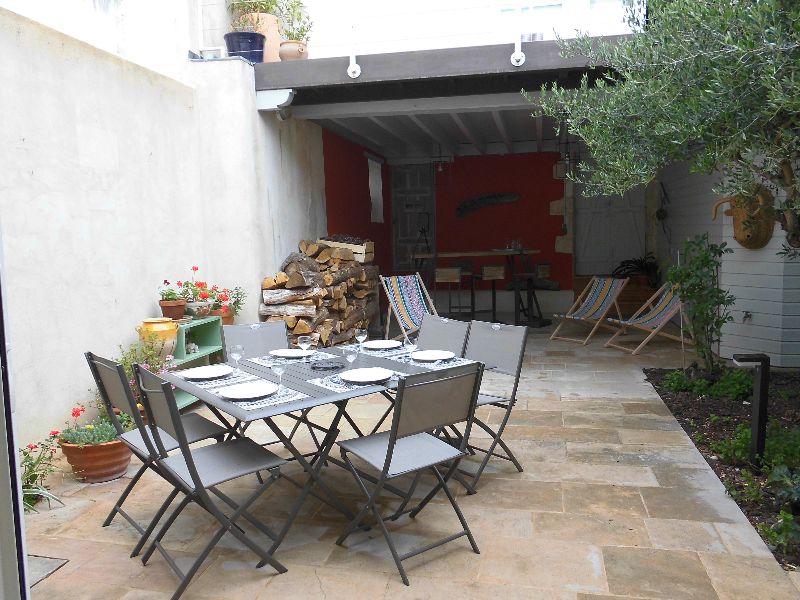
390,310
596,322
649,305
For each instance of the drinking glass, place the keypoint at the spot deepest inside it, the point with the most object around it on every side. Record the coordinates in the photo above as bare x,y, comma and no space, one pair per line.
410,346
361,337
304,341
351,357
278,370
236,353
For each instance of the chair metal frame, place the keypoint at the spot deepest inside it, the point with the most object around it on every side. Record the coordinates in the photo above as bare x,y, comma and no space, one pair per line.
479,350
649,305
405,428
392,310
196,491
146,455
597,320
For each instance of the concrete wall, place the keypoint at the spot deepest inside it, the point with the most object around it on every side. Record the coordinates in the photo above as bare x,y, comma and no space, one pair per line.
114,178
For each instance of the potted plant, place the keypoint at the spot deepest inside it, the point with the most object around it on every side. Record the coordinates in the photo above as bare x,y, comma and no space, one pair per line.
295,30
243,40
646,267
93,450
197,295
263,16
227,303
173,305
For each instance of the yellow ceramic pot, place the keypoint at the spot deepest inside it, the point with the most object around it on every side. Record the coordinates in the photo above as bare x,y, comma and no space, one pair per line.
165,331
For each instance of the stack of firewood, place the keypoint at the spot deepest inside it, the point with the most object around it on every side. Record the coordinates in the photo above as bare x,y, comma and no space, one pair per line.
322,291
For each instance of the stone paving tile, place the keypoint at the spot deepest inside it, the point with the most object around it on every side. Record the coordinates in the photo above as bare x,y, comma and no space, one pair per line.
591,529
739,577
741,538
652,573
586,473
603,500
690,476
675,534
692,505
658,438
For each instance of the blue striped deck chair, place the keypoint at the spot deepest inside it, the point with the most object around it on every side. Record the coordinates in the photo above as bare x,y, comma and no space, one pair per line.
592,306
651,317
409,301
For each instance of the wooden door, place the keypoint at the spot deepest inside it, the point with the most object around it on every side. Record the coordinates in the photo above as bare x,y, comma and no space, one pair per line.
413,213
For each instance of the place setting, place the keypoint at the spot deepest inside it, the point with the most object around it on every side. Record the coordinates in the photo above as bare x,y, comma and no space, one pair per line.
351,379
287,356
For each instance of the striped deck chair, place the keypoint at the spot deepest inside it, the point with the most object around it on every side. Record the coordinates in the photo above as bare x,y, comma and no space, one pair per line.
592,306
651,317
409,301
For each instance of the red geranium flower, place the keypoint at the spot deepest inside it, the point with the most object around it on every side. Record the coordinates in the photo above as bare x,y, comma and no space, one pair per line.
195,269
180,284
201,284
215,287
55,433
33,446
77,411
225,308
223,297
203,295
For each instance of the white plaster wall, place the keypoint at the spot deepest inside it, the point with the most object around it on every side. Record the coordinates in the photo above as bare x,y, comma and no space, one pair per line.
113,178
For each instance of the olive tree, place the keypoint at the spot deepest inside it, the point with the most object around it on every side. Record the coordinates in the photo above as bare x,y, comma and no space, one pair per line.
713,82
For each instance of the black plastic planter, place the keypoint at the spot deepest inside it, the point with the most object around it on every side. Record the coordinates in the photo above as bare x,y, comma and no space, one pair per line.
247,44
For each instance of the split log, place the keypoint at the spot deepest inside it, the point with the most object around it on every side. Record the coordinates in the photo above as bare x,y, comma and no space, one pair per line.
268,283
291,321
324,255
283,296
346,273
303,278
308,325
303,245
303,327
294,309
281,278
342,253
345,336
358,314
297,262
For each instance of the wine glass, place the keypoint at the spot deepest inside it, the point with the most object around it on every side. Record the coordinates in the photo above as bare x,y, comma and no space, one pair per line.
410,346
350,357
236,353
304,341
361,337
279,370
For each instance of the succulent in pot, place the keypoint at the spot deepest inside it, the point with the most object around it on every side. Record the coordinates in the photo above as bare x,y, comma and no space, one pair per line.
92,449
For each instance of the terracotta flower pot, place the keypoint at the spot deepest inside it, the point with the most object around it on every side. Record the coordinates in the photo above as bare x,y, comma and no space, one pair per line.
227,316
269,26
293,50
99,462
173,309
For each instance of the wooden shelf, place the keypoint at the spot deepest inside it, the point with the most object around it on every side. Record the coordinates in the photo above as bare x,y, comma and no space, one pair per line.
207,334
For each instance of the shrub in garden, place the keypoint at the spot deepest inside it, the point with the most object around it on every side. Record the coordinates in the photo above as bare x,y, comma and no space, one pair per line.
36,465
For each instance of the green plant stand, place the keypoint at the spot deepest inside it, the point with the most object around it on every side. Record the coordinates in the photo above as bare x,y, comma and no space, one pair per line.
207,334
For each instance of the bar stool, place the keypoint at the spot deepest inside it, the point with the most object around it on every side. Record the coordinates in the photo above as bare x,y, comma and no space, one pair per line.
450,276
493,273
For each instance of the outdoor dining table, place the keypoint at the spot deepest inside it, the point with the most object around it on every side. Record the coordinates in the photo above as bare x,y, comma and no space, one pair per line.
298,377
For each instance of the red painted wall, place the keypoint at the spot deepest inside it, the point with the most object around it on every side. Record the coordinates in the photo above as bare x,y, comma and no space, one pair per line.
347,200
528,219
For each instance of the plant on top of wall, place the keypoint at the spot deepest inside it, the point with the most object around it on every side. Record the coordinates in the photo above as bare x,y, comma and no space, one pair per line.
295,30
244,39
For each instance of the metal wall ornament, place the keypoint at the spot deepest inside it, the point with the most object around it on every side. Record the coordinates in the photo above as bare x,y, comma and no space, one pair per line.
753,217
472,204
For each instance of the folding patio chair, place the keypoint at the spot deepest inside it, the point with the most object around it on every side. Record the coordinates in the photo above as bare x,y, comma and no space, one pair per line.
256,339
592,306
409,301
501,348
654,314
115,392
196,472
439,333
425,402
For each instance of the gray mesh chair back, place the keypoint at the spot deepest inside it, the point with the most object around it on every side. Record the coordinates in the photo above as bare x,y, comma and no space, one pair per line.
256,339
199,472
425,403
438,333
429,401
502,349
115,389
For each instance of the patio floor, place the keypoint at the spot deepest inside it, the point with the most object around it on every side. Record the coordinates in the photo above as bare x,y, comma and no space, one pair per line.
615,501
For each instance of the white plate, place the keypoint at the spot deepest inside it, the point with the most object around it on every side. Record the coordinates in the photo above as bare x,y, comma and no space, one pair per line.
382,344
432,355
366,375
291,353
206,372
249,391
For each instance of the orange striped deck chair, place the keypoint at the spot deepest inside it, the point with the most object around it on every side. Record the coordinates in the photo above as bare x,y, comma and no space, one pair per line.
409,301
592,306
651,317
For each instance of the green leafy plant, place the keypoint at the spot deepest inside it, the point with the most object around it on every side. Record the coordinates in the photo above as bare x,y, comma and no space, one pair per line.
782,446
36,465
734,384
228,300
147,353
705,304
711,83
678,381
783,534
295,24
241,7
167,292
98,431
647,266
785,484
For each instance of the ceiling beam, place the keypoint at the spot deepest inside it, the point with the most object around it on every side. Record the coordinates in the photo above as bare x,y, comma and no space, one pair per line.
460,122
436,133
342,130
396,129
500,123
412,106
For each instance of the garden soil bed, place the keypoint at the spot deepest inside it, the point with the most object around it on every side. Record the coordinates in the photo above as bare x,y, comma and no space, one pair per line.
694,414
